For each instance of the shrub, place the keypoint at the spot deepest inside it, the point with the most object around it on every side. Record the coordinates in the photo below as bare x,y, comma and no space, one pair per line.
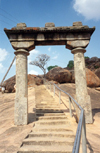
51,67
70,64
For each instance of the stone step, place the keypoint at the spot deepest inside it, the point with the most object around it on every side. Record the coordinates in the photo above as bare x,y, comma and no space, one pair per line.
45,107
47,149
46,141
51,117
52,122
49,111
50,114
52,134
60,128
48,104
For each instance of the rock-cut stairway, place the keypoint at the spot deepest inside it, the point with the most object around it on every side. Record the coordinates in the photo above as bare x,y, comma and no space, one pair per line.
52,132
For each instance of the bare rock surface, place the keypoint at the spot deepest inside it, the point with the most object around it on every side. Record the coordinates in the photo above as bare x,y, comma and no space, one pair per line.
92,79
59,74
97,72
11,136
92,63
32,81
9,84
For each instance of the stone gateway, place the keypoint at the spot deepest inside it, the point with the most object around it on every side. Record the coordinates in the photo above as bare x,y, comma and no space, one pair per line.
23,39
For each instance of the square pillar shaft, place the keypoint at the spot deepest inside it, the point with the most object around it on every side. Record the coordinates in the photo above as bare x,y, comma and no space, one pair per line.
82,96
21,99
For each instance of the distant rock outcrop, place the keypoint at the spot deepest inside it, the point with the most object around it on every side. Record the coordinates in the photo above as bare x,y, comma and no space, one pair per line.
97,72
92,79
9,84
62,75
59,74
92,63
32,80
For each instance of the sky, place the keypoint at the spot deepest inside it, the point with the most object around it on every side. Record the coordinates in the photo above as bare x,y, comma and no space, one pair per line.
35,13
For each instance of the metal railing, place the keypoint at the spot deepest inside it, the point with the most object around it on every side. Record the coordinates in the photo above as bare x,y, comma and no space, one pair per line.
1,84
81,129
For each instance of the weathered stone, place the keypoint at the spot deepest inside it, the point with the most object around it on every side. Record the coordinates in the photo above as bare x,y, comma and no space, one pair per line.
77,23
49,24
59,74
50,35
92,79
97,72
9,84
19,25
98,88
93,64
80,81
78,43
25,38
23,45
21,99
94,59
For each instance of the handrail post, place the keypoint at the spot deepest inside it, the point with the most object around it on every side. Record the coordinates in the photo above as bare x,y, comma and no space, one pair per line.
59,97
70,109
84,148
54,90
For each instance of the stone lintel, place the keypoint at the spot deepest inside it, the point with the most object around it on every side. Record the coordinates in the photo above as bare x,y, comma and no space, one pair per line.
29,37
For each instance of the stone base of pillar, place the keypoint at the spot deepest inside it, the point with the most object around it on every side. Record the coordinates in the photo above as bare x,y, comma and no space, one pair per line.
21,114
85,103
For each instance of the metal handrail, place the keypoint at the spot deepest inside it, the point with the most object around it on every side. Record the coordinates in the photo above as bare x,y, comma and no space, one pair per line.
81,129
1,84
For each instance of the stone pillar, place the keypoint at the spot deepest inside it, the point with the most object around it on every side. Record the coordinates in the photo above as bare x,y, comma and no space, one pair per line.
82,96
21,99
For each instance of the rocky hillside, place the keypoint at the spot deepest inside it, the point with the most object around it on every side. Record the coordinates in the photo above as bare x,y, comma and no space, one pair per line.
92,63
32,81
63,75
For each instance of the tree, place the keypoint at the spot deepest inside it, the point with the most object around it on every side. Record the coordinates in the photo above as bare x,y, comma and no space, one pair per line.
41,62
86,57
70,64
51,67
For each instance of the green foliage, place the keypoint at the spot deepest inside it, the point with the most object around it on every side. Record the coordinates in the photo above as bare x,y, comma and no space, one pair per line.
70,64
86,57
50,67
96,67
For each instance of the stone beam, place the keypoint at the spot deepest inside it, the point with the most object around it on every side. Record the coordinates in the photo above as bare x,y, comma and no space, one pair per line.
49,35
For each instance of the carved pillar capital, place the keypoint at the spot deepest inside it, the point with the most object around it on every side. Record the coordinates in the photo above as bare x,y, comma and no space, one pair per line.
77,50
21,51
